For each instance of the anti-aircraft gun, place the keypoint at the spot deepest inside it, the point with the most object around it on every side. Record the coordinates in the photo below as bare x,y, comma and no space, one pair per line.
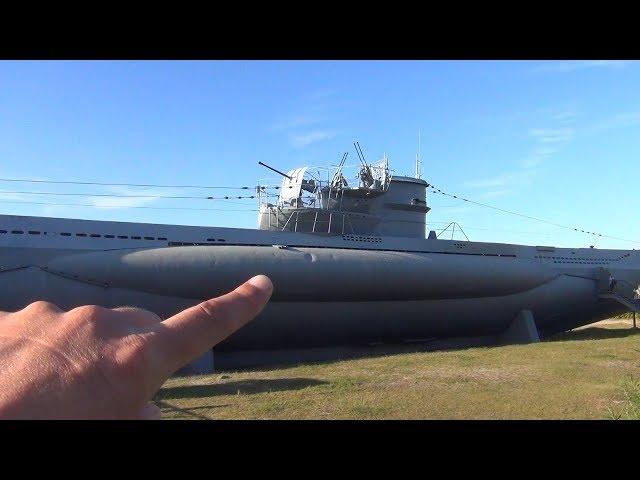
372,203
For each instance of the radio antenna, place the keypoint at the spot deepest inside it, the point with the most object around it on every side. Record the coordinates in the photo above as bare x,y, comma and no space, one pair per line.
418,160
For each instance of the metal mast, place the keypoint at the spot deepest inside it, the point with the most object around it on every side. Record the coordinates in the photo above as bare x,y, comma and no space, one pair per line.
418,160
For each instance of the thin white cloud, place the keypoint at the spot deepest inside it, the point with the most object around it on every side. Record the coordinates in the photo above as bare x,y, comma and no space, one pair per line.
546,142
59,210
451,210
563,66
16,197
625,119
300,140
531,162
110,203
619,120
549,141
113,203
544,151
552,135
10,197
565,117
538,156
295,121
99,202
493,194
51,203
322,93
502,180
308,125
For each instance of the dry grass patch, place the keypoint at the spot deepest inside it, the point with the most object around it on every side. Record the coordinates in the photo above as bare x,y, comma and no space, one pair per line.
587,373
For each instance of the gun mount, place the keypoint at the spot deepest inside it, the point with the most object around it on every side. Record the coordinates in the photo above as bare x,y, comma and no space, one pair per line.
372,203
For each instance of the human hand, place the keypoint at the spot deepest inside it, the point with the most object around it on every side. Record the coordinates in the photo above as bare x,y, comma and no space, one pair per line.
98,363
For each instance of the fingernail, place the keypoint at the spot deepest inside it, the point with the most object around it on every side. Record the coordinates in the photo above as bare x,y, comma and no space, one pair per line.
262,282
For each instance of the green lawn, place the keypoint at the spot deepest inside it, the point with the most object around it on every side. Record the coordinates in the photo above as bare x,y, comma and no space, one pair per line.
592,372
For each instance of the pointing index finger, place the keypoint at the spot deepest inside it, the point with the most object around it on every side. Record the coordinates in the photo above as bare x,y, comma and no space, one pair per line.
192,332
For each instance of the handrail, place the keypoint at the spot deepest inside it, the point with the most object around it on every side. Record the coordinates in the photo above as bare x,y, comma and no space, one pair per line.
633,305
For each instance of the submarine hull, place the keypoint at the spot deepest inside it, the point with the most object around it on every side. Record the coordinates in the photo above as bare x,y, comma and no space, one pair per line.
330,289
322,297
303,273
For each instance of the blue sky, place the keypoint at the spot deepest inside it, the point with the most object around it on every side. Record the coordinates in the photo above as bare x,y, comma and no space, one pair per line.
551,139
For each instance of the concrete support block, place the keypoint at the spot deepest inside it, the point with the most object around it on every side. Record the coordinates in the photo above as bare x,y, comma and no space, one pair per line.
522,329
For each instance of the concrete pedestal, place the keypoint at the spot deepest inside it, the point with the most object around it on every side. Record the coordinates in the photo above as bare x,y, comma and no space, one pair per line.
522,329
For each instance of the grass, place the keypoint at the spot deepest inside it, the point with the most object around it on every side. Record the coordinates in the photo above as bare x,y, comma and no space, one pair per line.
630,408
592,372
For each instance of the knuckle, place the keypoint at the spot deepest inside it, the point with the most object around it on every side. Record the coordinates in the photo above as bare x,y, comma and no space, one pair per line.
221,312
144,316
134,349
210,307
137,344
129,309
40,306
88,313
134,354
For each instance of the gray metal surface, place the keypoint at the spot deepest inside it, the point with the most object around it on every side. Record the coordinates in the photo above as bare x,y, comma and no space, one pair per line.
355,292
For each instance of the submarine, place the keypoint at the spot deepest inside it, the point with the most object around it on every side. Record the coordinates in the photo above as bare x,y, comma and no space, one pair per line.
350,259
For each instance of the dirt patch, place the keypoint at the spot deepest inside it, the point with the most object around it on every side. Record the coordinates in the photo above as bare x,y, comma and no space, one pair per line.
480,374
623,364
610,322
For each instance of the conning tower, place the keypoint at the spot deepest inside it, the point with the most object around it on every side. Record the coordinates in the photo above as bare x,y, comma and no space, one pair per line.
374,203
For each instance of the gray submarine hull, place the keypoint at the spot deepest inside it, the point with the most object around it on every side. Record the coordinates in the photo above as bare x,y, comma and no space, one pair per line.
322,296
303,273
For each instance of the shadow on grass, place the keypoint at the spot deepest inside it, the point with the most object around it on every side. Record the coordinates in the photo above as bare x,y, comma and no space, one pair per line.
186,411
277,360
593,333
280,359
243,387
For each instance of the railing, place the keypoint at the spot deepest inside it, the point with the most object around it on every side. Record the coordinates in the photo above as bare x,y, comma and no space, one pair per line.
314,224
621,291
